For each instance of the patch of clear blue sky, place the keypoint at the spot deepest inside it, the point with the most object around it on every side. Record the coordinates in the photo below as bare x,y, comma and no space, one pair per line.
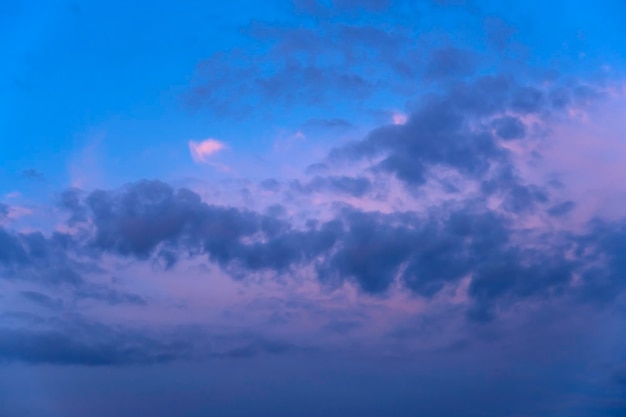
110,75
75,70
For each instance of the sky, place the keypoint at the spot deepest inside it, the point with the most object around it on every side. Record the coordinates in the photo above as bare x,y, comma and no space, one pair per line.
313,207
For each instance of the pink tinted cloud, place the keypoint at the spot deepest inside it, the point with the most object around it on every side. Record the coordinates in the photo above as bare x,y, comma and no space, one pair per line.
588,156
201,151
399,118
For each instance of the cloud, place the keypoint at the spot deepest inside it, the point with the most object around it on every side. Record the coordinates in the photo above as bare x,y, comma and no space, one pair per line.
33,174
479,241
355,187
431,247
561,209
509,128
331,64
439,133
498,32
42,300
340,7
450,62
270,184
373,251
201,151
399,118
148,215
59,270
108,295
69,200
466,129
32,256
81,342
334,123
4,211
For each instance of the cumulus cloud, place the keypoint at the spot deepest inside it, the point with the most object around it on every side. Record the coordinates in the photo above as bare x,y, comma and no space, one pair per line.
371,250
201,151
469,262
465,128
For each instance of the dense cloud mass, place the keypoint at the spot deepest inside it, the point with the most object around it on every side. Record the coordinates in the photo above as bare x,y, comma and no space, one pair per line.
373,250
425,253
462,129
34,256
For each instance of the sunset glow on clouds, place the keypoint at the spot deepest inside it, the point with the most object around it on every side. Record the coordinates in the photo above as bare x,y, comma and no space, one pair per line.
202,151
404,208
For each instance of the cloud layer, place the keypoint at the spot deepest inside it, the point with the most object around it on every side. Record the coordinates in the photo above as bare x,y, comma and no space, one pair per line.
424,215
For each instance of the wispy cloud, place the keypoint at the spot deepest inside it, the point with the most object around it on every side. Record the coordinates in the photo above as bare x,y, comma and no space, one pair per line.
201,151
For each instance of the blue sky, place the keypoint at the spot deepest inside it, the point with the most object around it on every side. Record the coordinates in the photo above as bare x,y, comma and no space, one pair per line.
115,76
325,207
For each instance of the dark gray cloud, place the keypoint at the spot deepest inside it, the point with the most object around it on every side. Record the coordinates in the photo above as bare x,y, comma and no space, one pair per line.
32,256
353,186
76,340
317,168
426,255
276,211
528,100
80,342
604,267
517,196
136,220
12,251
69,200
561,209
509,128
507,277
447,3
372,250
258,348
451,250
461,128
335,123
450,130
369,252
4,211
368,5
43,300
270,184
319,8
438,134
60,267
489,366
331,63
450,62
32,174
108,295
291,83
498,32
